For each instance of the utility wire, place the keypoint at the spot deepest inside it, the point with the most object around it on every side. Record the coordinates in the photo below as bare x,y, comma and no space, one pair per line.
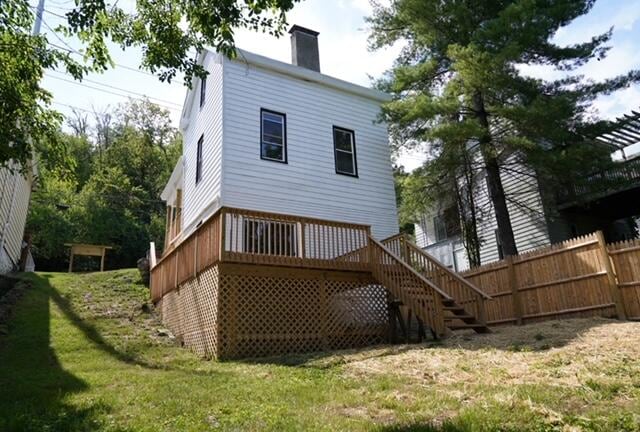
110,92
119,89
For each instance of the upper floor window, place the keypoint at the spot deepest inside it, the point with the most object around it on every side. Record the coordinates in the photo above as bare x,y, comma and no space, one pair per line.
199,159
344,148
203,90
273,136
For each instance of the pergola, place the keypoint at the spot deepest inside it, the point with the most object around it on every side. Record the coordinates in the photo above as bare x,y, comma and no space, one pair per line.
625,132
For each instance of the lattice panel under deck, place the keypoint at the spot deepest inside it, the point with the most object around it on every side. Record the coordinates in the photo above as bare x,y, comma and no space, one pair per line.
285,312
190,312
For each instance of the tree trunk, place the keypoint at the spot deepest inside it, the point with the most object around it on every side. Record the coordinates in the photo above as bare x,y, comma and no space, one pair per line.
496,190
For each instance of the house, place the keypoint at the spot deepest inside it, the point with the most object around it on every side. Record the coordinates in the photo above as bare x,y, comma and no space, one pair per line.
542,214
276,210
15,192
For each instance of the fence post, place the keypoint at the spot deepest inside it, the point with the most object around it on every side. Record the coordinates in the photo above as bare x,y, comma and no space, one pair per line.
515,292
611,277
482,310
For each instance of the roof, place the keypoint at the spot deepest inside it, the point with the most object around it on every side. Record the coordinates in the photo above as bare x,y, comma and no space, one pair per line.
293,71
625,132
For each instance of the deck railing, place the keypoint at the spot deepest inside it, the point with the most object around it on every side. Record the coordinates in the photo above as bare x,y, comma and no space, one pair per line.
253,237
616,178
459,289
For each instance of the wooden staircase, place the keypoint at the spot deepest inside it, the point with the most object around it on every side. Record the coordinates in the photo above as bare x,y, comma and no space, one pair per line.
439,298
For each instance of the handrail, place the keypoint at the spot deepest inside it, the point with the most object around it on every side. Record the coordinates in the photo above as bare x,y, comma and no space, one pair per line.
411,269
408,286
448,270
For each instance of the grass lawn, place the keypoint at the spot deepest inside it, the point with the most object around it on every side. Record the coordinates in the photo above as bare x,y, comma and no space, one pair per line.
82,354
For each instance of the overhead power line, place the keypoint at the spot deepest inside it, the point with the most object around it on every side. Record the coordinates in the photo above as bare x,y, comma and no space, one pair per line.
177,105
110,92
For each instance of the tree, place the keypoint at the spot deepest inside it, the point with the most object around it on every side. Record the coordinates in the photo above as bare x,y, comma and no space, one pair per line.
171,34
457,82
107,195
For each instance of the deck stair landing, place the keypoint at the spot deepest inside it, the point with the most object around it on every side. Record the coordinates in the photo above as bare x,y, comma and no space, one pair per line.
438,297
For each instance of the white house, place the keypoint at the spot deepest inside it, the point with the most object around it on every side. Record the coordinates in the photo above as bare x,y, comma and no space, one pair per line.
15,192
439,232
265,135
546,212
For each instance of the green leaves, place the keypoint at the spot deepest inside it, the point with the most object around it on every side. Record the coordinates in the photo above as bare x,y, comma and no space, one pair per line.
171,33
110,186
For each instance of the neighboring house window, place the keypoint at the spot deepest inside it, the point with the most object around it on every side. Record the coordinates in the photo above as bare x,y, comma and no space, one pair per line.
199,160
344,148
203,90
271,238
447,224
273,136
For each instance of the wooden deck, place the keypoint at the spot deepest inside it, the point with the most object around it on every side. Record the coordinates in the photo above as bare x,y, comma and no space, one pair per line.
259,238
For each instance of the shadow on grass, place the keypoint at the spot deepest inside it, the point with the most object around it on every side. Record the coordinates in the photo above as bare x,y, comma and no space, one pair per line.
33,383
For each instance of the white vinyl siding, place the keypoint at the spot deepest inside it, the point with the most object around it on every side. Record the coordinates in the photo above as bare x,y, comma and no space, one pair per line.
13,216
308,185
526,211
202,199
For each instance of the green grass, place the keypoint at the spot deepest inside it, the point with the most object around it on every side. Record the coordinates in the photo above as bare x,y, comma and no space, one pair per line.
82,354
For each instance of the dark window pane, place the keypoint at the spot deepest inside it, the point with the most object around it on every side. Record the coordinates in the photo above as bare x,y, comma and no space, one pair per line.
272,140
272,151
343,140
272,129
272,117
203,90
344,162
199,159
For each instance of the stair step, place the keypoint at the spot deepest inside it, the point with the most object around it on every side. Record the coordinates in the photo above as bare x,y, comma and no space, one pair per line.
465,326
459,317
453,308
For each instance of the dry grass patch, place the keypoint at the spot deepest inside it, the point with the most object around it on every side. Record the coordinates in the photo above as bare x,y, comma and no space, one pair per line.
562,353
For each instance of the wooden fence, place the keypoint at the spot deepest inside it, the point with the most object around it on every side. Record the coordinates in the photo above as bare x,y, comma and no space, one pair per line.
579,277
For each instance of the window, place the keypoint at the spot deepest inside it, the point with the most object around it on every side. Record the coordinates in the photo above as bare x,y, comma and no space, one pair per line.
269,237
447,224
273,136
203,90
199,160
344,148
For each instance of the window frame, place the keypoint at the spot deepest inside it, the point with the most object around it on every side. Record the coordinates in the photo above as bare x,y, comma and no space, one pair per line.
353,152
285,159
203,91
199,147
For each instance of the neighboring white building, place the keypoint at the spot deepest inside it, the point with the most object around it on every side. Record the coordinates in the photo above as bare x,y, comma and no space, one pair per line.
438,232
15,192
265,135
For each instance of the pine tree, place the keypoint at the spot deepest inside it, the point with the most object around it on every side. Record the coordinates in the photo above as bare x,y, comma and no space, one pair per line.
458,81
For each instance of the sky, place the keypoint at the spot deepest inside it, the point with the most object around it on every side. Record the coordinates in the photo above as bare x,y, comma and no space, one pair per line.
343,54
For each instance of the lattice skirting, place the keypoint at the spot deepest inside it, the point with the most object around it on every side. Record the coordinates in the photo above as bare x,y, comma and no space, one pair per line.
236,311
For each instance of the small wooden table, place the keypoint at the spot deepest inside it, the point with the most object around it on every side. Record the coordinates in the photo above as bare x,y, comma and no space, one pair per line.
87,250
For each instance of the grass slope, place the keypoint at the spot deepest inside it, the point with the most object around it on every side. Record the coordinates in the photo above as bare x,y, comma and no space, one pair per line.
81,354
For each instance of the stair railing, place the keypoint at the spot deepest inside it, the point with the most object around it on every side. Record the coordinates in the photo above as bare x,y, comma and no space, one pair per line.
406,284
463,292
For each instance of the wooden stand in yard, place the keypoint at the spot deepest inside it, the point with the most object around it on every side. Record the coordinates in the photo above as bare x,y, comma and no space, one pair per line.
86,250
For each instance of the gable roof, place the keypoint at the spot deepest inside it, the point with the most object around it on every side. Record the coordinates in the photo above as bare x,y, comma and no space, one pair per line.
291,70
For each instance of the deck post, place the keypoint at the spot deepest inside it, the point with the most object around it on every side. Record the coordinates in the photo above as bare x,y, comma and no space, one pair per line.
614,289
